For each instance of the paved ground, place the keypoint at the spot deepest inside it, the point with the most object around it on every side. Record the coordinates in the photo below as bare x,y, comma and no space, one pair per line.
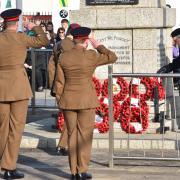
45,165
40,114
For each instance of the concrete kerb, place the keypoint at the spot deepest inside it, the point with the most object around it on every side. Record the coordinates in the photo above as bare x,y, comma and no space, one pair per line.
40,134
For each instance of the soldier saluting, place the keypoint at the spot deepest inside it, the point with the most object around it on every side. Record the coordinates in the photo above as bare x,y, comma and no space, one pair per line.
15,90
77,98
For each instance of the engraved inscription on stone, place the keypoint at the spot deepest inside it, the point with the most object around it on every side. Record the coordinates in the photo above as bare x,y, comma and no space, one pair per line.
111,2
119,41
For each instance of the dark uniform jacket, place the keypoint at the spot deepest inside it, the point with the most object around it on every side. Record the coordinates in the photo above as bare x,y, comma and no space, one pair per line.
14,84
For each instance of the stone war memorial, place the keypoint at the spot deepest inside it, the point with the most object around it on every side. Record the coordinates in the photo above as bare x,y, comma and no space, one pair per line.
139,32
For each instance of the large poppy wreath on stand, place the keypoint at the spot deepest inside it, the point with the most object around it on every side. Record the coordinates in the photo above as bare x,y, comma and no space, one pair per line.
97,85
157,82
120,88
134,88
134,118
149,85
120,91
102,115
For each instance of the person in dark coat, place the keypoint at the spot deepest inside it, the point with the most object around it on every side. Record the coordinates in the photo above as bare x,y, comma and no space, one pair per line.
60,34
176,61
65,25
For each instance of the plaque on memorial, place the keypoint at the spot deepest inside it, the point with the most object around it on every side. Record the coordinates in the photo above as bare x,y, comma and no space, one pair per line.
120,42
112,2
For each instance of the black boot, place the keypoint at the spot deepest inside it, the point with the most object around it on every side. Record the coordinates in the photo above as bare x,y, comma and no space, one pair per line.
73,176
13,174
83,176
62,151
165,69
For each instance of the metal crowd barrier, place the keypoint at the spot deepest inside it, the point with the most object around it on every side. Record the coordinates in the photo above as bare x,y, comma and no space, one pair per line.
155,146
40,99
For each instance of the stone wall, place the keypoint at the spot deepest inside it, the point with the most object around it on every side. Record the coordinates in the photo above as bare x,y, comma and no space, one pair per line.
140,34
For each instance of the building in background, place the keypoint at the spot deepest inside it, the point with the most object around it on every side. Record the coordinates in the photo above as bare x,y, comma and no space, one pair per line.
32,9
44,10
37,9
175,4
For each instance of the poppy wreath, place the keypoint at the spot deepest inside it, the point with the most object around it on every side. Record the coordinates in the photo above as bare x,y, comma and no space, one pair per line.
104,89
149,86
142,104
60,121
102,110
97,85
132,114
121,95
103,127
157,82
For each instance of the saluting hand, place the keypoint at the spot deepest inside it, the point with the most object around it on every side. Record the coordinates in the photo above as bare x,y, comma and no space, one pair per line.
30,25
94,43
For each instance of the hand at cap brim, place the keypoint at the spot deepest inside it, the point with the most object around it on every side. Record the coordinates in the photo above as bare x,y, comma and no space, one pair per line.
94,43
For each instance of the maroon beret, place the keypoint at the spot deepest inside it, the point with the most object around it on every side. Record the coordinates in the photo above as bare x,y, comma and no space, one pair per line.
74,25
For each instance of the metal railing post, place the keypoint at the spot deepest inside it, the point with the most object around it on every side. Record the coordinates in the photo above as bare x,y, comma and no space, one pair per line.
111,128
161,142
33,83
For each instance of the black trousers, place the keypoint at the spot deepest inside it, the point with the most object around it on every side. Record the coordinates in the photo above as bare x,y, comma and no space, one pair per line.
176,69
29,74
175,64
40,77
